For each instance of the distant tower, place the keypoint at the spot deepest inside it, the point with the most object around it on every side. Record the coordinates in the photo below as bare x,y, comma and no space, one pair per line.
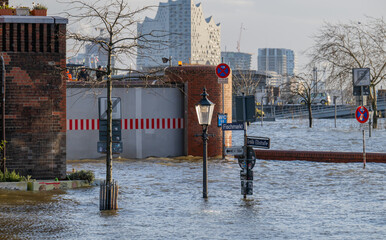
181,31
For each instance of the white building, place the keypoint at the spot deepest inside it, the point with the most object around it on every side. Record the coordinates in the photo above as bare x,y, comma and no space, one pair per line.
179,30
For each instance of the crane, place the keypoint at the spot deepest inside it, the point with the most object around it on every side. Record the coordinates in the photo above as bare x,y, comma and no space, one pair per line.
238,42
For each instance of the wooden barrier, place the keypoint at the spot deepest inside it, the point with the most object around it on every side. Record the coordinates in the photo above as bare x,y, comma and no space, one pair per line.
108,196
319,156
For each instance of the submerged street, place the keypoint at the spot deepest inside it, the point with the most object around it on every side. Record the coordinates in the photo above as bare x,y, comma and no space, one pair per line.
162,198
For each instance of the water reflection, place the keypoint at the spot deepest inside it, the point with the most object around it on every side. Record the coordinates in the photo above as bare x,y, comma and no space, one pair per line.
162,199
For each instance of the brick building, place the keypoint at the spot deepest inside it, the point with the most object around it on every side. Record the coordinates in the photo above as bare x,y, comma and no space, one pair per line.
195,78
34,52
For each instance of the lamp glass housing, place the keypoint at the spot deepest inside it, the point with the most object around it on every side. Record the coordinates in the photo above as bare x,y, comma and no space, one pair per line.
204,113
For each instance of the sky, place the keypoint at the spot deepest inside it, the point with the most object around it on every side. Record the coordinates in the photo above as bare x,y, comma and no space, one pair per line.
266,23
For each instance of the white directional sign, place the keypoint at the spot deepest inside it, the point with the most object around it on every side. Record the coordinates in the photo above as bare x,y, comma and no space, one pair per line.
236,150
361,76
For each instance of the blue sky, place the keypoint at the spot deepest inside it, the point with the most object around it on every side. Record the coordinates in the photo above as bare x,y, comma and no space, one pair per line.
268,23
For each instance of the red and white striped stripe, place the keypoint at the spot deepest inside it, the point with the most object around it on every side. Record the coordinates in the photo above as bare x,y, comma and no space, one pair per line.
128,124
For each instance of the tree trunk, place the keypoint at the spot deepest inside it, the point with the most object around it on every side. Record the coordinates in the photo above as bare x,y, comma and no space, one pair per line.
109,152
309,114
374,105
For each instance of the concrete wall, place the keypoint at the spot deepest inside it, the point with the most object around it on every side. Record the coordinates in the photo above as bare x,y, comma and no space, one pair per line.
152,121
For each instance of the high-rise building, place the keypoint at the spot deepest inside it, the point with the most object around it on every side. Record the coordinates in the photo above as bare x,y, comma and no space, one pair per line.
237,60
279,60
180,31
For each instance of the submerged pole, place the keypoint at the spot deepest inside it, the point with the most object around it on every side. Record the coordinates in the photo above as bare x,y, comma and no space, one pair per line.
364,149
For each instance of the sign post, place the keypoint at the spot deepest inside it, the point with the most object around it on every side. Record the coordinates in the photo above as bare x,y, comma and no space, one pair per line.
362,79
222,72
362,115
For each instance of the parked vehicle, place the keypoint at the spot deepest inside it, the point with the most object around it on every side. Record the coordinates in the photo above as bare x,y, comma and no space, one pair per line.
318,98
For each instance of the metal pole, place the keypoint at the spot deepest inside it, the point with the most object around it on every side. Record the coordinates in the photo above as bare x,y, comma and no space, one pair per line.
369,125
3,113
223,112
370,119
245,133
223,132
335,110
364,149
262,110
205,164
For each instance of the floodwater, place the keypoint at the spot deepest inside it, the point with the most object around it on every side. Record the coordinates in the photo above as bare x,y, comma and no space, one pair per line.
287,134
162,199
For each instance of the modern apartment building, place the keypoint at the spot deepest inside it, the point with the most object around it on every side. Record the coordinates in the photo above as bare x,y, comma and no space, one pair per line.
237,60
180,31
279,60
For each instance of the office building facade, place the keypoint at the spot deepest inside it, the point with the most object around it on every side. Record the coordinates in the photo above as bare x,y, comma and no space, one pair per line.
180,31
237,60
279,60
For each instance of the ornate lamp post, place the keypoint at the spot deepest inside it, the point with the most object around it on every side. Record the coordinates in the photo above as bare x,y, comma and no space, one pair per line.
204,109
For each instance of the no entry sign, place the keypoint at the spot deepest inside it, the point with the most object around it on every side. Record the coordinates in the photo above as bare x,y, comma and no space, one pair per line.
223,70
362,114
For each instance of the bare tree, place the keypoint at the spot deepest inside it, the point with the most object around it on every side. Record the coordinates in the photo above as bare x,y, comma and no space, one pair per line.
342,47
245,81
304,86
118,21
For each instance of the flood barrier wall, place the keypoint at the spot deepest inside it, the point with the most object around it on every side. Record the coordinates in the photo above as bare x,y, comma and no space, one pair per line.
319,156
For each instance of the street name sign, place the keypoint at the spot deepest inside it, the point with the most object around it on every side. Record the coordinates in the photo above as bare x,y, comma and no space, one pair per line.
232,126
259,142
361,76
236,150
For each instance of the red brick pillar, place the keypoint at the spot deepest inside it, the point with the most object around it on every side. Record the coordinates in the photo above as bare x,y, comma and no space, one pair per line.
195,78
35,107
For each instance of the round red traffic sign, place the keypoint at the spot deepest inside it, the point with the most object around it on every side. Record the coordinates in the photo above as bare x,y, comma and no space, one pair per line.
223,70
362,114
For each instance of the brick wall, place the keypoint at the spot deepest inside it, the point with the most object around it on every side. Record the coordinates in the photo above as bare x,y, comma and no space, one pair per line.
196,77
318,156
34,50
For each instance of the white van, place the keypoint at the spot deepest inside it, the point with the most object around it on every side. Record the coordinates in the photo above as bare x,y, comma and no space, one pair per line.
318,98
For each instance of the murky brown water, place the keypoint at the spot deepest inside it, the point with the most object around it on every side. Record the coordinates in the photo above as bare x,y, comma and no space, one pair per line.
162,199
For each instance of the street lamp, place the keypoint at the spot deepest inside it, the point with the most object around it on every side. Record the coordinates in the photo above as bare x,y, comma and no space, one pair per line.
204,110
